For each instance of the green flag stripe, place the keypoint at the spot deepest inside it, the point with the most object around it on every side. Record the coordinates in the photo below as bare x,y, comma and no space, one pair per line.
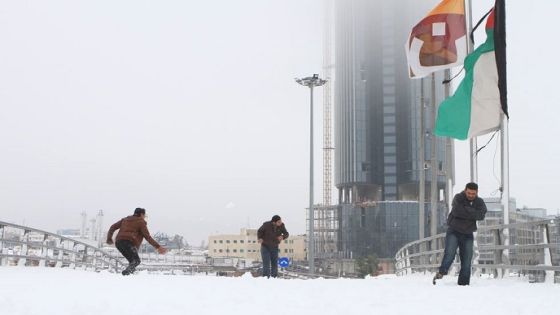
454,114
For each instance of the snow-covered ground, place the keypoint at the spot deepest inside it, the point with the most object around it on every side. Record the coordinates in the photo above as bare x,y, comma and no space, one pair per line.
50,291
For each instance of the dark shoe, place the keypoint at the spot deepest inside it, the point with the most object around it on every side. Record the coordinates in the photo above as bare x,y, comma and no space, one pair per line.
437,277
128,271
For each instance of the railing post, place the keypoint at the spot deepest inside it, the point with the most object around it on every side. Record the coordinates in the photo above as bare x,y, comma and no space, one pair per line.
23,252
497,253
398,264
407,262
439,257
421,259
93,259
2,259
476,255
44,251
73,256
549,275
59,246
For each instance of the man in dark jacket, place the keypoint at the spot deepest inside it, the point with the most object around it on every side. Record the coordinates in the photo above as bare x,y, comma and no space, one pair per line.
270,234
466,209
132,231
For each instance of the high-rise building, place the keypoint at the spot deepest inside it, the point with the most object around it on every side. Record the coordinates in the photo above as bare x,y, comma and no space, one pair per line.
377,129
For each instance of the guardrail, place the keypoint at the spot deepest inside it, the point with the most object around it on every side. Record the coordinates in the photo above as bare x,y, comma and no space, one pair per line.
524,247
25,246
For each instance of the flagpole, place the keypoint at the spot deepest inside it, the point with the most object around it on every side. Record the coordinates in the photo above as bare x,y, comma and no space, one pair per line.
433,164
505,183
473,143
449,156
422,169
470,47
500,43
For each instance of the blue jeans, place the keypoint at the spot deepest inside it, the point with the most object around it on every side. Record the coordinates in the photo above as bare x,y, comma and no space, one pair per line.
270,261
464,242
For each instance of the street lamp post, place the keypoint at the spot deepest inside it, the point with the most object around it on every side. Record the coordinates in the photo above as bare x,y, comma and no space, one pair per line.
311,82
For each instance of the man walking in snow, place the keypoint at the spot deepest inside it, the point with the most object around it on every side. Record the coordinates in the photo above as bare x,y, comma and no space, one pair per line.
466,209
270,234
132,231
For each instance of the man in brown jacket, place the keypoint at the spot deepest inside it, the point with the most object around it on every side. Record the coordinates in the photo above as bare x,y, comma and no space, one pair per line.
132,231
270,234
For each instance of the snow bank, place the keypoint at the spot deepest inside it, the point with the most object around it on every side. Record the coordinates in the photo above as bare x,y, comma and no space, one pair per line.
50,291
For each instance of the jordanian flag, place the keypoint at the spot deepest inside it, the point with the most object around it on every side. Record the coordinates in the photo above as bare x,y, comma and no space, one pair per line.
479,102
439,41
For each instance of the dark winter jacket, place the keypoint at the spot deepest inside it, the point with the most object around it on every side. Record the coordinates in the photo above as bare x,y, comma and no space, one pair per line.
465,213
134,229
269,233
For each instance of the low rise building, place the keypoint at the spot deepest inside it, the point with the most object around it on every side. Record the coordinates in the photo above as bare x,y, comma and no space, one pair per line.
246,245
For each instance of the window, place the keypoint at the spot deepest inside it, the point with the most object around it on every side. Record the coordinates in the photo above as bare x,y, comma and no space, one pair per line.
235,241
215,241
389,99
388,109
389,79
389,120
390,150
227,250
390,190
241,251
227,241
241,241
221,242
389,129
285,250
220,250
390,169
390,139
390,179
285,242
390,159
235,250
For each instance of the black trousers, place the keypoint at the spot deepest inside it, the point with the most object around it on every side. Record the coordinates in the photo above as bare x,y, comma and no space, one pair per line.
130,252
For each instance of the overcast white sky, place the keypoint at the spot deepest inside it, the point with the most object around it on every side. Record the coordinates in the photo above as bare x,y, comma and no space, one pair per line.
189,109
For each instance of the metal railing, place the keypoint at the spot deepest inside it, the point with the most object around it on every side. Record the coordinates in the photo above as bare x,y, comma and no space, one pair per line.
525,248
25,246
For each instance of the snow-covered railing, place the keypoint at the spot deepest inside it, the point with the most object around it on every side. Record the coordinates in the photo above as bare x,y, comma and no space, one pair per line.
530,248
25,246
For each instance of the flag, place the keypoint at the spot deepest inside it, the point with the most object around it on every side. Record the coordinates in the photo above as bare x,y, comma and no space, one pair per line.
477,106
439,41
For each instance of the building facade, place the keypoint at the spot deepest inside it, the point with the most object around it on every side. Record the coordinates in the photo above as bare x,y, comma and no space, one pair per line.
245,245
377,127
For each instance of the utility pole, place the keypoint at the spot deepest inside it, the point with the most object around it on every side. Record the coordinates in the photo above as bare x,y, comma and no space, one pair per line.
311,82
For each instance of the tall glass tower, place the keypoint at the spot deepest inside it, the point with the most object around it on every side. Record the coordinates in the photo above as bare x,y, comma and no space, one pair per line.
377,108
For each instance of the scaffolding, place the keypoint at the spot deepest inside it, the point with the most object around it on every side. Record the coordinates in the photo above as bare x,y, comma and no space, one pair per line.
326,226
326,221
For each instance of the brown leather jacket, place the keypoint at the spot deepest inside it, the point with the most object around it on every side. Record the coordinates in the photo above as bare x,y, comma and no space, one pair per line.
134,229
269,233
